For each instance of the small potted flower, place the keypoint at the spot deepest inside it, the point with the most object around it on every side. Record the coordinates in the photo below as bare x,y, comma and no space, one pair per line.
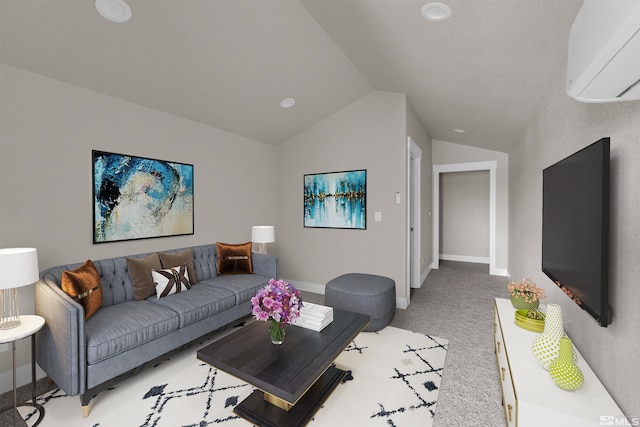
525,295
278,303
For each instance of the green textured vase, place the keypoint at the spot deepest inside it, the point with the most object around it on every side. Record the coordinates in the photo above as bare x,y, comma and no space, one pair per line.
547,344
564,370
519,303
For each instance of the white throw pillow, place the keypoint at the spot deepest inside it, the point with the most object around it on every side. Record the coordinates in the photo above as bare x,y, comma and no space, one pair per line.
171,280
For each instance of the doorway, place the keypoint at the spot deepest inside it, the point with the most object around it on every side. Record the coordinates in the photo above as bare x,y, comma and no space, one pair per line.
465,167
464,216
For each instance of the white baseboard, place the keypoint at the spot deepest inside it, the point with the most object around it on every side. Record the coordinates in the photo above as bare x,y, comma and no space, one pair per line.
423,277
425,274
465,258
478,260
500,272
23,375
402,303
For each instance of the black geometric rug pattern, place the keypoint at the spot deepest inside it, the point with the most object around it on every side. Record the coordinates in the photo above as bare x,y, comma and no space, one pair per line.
421,382
392,379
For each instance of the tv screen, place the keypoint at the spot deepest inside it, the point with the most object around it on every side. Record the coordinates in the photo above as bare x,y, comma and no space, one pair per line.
575,228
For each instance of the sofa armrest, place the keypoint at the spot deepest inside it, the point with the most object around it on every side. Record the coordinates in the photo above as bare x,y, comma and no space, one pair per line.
265,265
60,343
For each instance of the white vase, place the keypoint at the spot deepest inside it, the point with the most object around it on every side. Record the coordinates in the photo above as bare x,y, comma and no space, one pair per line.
547,344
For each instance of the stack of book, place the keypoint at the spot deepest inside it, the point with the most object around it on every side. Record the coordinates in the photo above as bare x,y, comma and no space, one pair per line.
314,316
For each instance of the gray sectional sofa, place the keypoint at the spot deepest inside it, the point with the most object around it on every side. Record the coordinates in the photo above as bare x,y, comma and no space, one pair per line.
85,357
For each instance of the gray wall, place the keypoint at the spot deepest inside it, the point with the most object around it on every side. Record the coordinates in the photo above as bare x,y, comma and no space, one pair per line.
563,127
48,130
368,134
464,216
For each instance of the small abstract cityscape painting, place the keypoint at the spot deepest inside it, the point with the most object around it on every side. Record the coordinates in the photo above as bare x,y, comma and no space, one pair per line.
336,200
140,198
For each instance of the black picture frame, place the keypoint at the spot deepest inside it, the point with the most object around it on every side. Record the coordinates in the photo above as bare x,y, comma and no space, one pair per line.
140,198
336,200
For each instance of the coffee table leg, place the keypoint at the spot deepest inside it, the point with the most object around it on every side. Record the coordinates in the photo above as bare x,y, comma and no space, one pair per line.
257,409
282,404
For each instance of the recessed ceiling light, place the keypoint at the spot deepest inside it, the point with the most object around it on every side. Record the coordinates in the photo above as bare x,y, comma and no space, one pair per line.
460,130
287,103
436,11
114,10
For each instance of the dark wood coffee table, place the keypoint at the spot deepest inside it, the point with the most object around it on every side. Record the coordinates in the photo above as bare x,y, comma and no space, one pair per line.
293,379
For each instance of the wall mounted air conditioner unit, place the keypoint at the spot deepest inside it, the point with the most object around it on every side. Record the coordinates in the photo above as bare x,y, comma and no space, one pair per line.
604,52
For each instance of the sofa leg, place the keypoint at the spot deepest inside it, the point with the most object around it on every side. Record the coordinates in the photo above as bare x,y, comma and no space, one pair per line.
85,400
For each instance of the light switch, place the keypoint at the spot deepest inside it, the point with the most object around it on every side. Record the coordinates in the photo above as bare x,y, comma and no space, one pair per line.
398,198
378,216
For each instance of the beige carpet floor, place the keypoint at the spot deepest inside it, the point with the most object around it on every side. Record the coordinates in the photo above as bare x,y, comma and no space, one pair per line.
456,302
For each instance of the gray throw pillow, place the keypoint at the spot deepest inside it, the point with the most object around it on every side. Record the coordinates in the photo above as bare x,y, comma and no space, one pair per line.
171,259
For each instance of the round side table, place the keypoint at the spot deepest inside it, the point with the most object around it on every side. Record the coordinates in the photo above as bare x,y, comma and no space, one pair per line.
30,324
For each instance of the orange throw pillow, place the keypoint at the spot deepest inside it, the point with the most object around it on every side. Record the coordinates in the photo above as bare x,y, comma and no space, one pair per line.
234,258
83,285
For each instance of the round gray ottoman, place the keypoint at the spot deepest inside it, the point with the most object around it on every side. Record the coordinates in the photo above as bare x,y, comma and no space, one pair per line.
364,294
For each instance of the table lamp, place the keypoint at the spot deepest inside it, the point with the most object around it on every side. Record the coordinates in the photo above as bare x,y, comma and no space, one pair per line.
263,234
18,267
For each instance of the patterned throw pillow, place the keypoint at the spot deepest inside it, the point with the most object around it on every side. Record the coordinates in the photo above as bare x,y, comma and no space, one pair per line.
234,258
171,280
83,285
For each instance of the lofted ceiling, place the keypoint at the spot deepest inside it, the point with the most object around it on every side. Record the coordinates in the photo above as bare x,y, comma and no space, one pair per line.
229,63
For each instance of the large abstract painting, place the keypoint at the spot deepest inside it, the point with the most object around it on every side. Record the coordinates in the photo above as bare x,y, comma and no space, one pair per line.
140,198
336,200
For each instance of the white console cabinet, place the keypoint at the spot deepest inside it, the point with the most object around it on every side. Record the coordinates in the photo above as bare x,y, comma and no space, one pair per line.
530,396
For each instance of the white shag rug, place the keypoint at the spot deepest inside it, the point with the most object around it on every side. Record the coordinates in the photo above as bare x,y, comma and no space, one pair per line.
393,380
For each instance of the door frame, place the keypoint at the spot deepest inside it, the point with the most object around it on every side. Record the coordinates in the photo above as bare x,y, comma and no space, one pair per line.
414,160
465,167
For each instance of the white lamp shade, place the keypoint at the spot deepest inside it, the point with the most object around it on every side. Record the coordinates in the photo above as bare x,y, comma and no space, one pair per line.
18,267
263,234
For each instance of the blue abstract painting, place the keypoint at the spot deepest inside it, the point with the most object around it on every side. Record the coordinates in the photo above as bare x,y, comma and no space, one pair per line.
140,198
336,200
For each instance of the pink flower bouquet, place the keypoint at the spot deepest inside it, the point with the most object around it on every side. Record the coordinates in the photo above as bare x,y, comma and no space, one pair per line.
280,303
527,290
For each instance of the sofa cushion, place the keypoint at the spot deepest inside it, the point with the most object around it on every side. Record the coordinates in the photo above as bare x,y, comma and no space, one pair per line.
121,327
140,272
172,259
199,303
83,285
171,280
234,258
243,286
205,263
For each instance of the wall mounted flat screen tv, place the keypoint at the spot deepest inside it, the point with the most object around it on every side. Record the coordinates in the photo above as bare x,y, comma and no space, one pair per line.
575,228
